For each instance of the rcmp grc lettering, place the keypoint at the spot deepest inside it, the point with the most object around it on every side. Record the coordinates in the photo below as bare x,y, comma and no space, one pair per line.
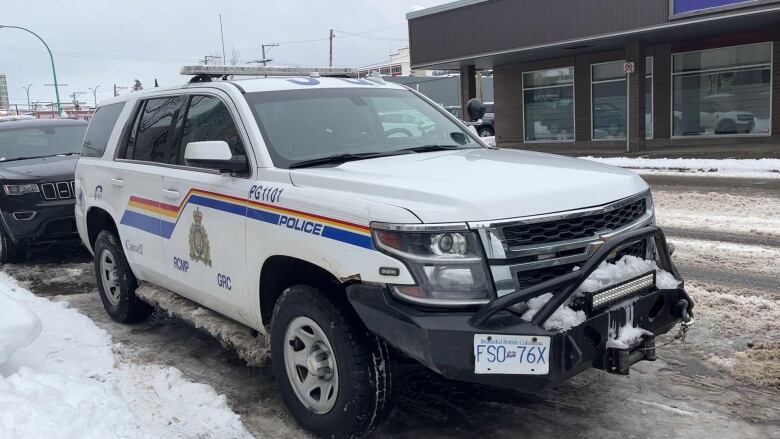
181,264
224,281
301,225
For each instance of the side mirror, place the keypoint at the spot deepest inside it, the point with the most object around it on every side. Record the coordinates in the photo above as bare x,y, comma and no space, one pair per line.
214,154
476,109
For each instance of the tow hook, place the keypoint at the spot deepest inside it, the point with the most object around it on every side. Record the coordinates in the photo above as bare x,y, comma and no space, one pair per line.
683,305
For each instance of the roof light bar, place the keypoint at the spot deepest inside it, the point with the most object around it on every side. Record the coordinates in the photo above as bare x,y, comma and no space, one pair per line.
205,70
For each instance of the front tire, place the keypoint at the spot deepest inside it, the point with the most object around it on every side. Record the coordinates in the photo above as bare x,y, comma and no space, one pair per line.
334,375
116,282
9,252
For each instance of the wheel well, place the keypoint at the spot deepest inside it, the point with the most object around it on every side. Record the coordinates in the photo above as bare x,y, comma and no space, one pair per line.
281,272
97,221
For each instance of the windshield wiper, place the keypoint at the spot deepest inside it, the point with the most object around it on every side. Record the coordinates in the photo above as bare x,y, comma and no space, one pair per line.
431,148
338,158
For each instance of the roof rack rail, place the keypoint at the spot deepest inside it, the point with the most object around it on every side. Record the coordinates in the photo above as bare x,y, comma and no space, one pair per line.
204,73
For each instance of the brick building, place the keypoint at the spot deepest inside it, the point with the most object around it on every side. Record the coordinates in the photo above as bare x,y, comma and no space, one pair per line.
614,75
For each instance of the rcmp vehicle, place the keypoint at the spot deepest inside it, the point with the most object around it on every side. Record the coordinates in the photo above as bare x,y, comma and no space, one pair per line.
284,204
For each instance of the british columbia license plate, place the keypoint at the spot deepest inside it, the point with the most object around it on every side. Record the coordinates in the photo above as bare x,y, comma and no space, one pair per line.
511,354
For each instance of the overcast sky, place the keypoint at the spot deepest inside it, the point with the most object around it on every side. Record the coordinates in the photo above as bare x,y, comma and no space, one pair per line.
103,42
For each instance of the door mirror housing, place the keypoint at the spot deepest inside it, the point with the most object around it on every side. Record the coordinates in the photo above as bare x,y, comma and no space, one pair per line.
214,154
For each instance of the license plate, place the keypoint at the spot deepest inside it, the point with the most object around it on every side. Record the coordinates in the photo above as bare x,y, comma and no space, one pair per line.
511,354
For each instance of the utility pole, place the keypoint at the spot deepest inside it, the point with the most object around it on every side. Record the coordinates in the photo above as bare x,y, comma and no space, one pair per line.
94,93
117,88
330,55
265,60
27,90
222,37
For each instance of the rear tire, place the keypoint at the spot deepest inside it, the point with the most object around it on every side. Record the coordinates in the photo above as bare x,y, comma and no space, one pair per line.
339,354
116,282
9,252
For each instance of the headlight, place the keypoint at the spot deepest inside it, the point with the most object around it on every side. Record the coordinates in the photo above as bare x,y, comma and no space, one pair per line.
20,189
446,262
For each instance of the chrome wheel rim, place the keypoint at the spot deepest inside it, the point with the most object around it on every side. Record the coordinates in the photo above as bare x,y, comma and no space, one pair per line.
310,364
109,277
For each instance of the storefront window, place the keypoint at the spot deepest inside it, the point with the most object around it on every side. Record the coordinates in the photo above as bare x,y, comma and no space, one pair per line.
723,91
548,105
609,100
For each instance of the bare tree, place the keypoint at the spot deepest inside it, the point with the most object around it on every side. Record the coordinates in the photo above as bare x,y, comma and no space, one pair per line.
235,56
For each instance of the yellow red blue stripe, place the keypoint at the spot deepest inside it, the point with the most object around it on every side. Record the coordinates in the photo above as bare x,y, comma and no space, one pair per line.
166,216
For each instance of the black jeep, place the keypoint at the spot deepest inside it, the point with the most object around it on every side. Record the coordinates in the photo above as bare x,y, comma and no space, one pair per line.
37,163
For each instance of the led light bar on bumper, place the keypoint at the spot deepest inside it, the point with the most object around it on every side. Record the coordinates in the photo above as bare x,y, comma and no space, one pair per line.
615,293
446,261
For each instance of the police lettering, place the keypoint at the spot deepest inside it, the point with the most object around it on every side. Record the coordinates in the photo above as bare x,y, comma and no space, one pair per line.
181,264
224,281
301,225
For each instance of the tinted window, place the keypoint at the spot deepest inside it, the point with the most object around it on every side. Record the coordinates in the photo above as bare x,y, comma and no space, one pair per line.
44,141
209,119
100,129
151,139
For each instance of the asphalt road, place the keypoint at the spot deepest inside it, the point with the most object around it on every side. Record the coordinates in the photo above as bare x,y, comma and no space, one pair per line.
723,382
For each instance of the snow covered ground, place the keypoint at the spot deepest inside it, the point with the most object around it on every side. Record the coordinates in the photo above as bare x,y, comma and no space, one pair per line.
722,382
746,168
71,382
754,168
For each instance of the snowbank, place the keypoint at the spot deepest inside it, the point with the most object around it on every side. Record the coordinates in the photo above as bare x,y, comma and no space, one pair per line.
607,274
18,326
68,383
766,168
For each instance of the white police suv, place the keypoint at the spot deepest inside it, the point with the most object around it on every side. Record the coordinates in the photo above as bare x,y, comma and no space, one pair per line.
350,222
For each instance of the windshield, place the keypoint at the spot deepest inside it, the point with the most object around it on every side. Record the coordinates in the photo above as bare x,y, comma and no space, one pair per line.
42,141
306,125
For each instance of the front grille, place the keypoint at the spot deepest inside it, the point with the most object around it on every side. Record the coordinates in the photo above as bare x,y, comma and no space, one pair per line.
61,190
526,279
573,228
529,278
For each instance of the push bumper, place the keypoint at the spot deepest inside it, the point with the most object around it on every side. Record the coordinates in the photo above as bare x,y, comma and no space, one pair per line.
444,340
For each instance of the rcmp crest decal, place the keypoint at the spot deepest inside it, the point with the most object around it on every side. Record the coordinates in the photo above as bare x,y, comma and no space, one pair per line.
199,239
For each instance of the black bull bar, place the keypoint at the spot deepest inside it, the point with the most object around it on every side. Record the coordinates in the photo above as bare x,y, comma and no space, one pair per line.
564,286
443,340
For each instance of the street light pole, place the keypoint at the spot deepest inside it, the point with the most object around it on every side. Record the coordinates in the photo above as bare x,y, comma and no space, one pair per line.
27,90
94,93
51,57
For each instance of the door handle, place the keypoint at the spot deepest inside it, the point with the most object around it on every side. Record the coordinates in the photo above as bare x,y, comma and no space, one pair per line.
170,193
118,182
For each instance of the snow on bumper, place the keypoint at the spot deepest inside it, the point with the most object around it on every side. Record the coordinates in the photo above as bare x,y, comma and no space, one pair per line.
19,326
446,341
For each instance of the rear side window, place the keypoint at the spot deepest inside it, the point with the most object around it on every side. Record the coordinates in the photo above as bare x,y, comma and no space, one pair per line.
100,128
209,119
151,139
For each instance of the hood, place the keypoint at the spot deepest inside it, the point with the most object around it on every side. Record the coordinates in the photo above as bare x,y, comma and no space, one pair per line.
477,184
45,169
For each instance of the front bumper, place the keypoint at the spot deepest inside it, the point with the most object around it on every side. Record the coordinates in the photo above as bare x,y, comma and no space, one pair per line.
53,221
443,340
